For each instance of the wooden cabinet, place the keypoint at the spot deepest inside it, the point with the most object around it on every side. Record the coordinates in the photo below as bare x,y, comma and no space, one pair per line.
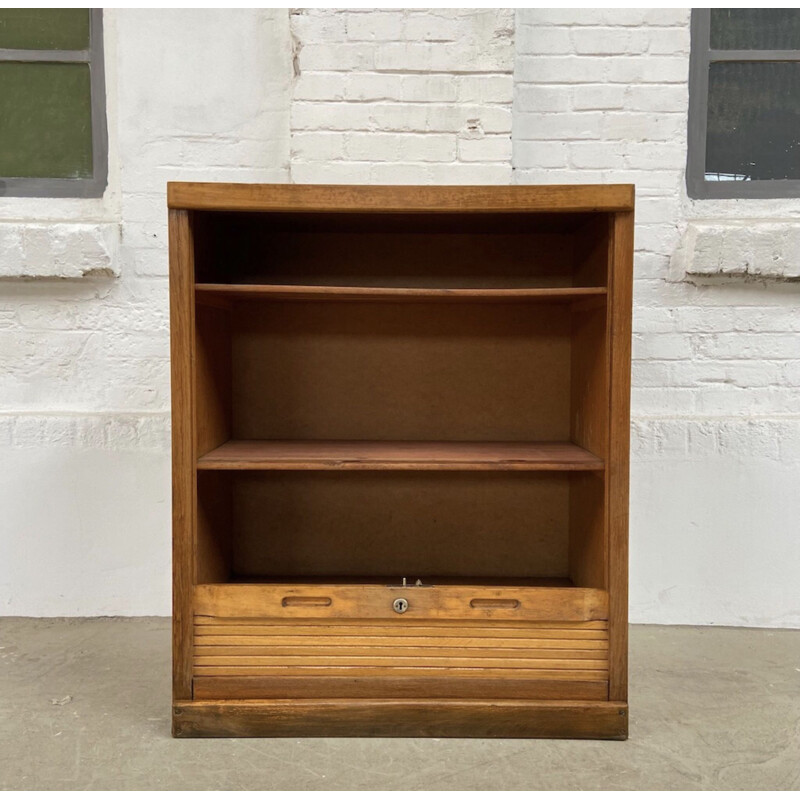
400,459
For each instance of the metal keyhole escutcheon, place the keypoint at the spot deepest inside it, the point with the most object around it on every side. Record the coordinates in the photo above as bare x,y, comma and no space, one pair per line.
400,605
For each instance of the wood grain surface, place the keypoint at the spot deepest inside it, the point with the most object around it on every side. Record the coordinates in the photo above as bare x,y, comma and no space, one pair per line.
372,602
181,281
485,718
266,687
264,658
394,294
619,453
462,354
405,199
362,455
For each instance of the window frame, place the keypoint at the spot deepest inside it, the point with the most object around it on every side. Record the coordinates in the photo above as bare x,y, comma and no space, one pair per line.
93,57
700,59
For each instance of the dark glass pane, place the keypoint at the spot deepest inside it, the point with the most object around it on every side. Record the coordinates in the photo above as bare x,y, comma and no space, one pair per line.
44,28
753,121
755,29
45,120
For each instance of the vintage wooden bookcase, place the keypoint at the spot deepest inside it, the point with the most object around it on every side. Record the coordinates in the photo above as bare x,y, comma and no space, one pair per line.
400,459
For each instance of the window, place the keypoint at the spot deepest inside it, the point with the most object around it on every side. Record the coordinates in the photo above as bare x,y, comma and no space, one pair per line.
53,140
744,103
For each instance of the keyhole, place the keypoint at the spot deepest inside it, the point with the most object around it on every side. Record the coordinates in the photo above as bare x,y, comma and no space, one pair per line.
400,605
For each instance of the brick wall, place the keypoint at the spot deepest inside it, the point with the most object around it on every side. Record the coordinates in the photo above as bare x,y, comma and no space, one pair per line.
400,96
602,95
84,361
414,96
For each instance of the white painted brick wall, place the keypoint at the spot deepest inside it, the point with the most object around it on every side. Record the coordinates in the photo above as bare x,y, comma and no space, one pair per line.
405,96
601,96
84,362
402,96
44,250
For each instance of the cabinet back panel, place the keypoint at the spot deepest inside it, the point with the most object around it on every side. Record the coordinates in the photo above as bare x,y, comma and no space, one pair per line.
401,371
400,524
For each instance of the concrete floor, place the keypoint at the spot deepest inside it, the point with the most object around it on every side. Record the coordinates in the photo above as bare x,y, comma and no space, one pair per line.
84,704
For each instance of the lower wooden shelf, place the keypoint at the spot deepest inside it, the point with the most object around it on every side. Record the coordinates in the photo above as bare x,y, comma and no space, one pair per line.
378,455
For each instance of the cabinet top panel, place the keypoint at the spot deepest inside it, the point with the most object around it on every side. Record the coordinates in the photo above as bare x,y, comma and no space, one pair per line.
393,199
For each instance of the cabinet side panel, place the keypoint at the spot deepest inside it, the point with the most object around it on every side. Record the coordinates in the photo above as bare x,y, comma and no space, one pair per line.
591,251
589,429
214,524
587,529
619,453
589,423
181,286
589,380
212,375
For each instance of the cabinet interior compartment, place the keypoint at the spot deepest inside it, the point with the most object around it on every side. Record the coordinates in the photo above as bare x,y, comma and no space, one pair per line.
372,378
395,250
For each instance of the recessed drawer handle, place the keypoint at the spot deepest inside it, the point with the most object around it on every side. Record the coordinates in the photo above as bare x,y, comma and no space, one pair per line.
301,600
493,602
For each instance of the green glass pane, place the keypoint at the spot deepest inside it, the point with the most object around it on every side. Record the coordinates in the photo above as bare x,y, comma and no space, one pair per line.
44,28
45,120
755,29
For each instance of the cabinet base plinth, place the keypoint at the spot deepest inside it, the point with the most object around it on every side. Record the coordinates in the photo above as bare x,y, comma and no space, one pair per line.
511,719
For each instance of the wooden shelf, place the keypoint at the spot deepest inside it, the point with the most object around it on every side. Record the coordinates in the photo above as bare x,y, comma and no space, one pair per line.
358,455
396,581
343,293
